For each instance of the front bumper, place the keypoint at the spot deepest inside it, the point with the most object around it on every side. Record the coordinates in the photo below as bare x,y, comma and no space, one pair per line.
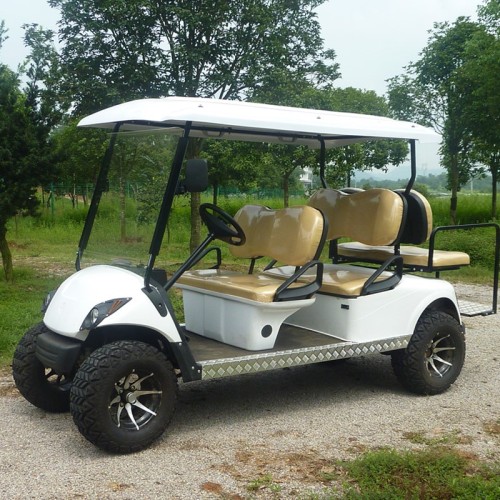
57,352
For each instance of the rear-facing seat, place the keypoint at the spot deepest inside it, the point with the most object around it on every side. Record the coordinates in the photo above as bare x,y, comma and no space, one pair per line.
247,309
374,217
417,230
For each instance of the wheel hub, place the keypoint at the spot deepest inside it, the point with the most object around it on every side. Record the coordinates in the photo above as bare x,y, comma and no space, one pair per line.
128,391
439,356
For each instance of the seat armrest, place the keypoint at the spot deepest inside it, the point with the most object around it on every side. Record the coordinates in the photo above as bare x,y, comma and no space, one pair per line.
194,258
284,292
372,286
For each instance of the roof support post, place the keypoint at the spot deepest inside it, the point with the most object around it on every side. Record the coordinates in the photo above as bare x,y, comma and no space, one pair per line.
413,165
166,206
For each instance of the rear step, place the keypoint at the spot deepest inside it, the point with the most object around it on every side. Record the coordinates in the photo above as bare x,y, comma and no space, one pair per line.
469,308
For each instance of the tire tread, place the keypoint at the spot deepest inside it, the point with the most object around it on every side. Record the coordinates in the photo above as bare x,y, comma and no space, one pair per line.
85,392
407,363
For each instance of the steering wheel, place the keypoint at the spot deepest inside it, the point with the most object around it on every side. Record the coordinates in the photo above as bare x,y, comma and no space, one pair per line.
222,225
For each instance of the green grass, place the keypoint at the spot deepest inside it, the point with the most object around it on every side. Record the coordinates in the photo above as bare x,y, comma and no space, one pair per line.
471,209
264,482
435,473
20,304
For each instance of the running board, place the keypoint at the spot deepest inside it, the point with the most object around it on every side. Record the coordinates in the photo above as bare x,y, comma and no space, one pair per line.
264,361
469,309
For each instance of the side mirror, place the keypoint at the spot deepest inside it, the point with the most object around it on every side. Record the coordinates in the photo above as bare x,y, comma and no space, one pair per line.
196,179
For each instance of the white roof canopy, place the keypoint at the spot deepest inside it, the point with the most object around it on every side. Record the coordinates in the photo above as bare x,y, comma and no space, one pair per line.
221,119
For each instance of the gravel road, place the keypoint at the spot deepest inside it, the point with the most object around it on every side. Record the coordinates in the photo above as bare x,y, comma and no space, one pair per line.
289,425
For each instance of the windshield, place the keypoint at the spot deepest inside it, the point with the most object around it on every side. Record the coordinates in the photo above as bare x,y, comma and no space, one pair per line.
125,220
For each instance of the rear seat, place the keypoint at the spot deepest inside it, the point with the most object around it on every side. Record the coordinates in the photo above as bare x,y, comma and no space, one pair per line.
417,230
374,217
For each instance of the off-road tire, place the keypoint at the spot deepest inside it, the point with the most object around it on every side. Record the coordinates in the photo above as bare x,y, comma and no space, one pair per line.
96,398
434,357
39,385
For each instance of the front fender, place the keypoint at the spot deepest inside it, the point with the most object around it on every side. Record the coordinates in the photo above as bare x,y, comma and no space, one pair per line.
85,289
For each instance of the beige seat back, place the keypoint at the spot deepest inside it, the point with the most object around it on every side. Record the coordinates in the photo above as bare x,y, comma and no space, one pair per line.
372,217
291,235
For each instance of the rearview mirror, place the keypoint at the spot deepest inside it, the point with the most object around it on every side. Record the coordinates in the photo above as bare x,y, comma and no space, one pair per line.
196,179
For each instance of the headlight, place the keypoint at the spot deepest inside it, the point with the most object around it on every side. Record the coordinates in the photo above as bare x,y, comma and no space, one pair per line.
102,311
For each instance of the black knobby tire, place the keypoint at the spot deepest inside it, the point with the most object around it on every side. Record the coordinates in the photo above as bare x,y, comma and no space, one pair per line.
108,408
434,356
39,385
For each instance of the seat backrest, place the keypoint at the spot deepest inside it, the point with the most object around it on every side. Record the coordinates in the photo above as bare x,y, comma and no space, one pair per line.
418,225
373,217
293,236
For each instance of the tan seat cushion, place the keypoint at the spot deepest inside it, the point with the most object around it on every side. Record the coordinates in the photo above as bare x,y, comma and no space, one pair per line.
257,287
412,256
373,217
338,279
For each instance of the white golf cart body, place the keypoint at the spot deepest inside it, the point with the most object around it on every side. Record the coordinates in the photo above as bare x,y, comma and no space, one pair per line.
340,327
346,327
228,333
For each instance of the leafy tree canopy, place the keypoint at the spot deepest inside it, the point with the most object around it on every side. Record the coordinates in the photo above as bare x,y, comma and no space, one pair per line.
115,50
18,145
431,93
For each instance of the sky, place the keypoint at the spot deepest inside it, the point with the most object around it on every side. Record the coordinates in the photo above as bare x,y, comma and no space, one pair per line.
373,39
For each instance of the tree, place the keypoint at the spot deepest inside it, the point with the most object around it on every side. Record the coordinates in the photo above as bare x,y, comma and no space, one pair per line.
41,70
115,51
232,164
18,178
341,162
480,87
118,50
430,93
361,157
79,153
25,153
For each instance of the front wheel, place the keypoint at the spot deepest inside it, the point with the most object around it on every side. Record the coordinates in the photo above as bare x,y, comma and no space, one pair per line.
434,357
123,396
41,386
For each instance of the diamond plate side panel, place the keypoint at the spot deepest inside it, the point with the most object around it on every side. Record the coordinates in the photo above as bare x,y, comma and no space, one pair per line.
260,362
468,308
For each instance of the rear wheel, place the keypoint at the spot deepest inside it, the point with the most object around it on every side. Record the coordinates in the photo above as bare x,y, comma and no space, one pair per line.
434,356
123,396
41,386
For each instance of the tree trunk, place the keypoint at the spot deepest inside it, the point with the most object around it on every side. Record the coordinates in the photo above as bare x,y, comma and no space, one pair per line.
193,151
195,221
286,193
216,192
454,185
123,223
5,252
494,182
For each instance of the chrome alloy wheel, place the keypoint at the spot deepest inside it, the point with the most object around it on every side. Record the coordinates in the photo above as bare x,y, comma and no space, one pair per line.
137,400
439,355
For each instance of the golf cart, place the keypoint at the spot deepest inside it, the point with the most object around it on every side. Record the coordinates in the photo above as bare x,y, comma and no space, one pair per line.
110,347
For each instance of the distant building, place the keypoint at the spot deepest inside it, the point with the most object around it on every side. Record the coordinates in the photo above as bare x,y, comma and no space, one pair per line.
306,178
